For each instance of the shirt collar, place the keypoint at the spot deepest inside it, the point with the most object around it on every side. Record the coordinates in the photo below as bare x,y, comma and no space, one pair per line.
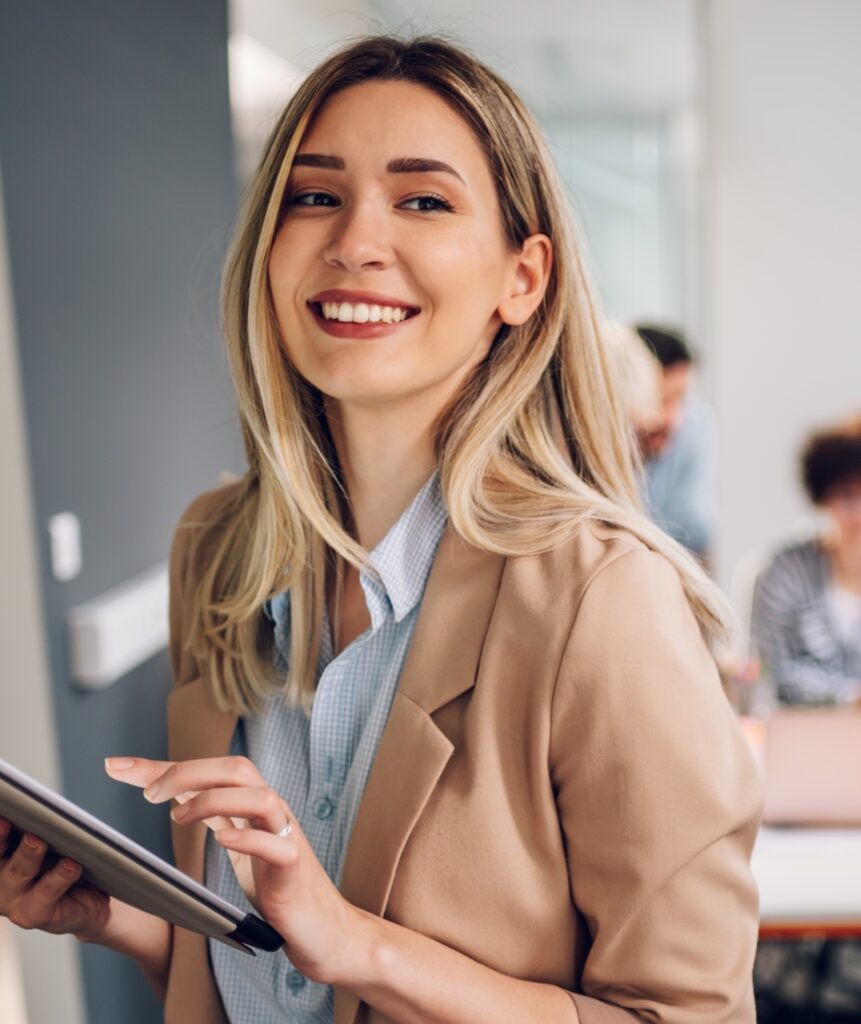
397,568
399,565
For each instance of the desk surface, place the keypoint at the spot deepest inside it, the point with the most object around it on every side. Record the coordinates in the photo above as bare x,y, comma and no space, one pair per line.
809,880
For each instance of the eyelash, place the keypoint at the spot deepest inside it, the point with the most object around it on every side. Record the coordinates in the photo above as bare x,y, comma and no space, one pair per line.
444,205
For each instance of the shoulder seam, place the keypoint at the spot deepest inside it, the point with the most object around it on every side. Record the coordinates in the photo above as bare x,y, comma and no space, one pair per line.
633,549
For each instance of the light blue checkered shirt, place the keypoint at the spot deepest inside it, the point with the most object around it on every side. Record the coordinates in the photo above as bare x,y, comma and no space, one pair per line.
321,763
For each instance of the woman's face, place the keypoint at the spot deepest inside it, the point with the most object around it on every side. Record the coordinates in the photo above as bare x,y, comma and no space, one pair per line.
390,274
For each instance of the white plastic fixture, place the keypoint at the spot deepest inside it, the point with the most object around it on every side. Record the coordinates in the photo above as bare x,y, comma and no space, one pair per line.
64,532
116,632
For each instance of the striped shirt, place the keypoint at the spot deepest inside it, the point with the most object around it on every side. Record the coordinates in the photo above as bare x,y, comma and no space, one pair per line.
320,761
811,659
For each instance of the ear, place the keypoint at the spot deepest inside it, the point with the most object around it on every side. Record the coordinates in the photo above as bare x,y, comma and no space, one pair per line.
527,281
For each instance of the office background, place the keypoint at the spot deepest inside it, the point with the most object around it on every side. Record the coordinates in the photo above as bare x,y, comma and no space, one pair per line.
712,152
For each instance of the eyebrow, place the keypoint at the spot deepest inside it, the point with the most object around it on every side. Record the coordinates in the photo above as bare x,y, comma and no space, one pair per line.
401,165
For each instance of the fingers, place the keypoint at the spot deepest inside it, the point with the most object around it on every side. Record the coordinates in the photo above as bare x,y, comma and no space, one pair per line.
203,774
136,771
38,907
23,866
52,899
259,805
281,853
86,911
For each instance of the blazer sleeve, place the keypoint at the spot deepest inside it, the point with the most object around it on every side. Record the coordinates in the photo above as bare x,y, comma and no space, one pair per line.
192,996
659,801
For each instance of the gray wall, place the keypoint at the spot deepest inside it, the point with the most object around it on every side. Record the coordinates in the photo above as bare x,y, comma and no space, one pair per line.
119,195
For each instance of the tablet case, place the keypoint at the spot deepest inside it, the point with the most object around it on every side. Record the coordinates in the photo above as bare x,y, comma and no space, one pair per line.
120,867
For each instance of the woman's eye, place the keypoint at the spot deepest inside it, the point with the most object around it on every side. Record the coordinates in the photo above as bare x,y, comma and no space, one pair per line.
314,199
427,204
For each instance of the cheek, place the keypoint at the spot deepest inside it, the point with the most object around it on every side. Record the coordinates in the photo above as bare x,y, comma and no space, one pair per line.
852,519
463,279
287,261
842,518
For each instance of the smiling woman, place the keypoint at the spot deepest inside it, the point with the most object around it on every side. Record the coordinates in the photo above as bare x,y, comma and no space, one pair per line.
445,701
425,228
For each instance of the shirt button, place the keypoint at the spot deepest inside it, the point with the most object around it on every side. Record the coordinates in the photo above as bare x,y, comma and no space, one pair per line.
324,808
295,982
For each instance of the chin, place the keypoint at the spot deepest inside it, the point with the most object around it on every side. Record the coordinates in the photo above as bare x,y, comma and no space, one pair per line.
361,388
656,444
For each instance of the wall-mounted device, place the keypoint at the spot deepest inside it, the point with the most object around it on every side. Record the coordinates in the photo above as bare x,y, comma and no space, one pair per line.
115,632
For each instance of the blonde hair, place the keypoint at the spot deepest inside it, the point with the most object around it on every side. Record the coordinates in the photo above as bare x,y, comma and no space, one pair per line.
637,372
535,445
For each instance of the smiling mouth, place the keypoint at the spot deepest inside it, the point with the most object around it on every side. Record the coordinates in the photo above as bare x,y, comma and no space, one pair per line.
362,312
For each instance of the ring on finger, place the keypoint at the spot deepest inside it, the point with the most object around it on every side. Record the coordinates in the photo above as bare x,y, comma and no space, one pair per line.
288,828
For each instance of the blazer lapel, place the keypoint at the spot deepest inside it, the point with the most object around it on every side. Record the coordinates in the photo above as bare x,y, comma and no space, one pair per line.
196,728
441,665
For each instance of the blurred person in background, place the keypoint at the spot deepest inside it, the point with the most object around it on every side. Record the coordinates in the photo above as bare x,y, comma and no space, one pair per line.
806,628
638,374
806,619
679,449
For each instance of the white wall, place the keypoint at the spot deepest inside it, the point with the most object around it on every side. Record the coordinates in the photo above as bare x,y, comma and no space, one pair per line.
49,964
783,81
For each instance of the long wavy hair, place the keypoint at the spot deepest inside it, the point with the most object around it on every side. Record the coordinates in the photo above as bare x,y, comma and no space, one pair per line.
536,444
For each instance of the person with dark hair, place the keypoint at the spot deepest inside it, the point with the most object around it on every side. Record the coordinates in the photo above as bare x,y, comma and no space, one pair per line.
806,626
806,618
678,449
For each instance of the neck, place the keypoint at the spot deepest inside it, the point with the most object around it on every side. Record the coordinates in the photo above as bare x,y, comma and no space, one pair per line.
386,457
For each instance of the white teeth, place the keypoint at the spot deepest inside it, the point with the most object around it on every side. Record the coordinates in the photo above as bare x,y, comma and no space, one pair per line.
362,313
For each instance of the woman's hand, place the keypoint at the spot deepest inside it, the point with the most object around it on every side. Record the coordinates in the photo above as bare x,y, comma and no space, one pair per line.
35,892
281,877
407,976
39,894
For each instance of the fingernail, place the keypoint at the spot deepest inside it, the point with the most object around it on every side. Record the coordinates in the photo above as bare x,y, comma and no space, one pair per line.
179,813
118,764
68,867
152,792
227,835
32,841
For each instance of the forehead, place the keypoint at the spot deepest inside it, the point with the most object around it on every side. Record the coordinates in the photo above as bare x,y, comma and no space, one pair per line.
848,485
376,121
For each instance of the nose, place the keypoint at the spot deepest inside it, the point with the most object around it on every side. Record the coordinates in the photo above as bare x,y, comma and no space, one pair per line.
358,240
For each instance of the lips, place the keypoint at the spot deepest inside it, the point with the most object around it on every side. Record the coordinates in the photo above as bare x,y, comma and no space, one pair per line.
348,313
369,298
353,314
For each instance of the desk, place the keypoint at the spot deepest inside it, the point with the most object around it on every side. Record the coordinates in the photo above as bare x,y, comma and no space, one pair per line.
809,882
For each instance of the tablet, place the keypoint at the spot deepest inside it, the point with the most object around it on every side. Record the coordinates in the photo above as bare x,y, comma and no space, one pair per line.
120,867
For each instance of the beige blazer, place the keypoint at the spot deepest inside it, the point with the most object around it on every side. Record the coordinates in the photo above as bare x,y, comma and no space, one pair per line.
561,792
